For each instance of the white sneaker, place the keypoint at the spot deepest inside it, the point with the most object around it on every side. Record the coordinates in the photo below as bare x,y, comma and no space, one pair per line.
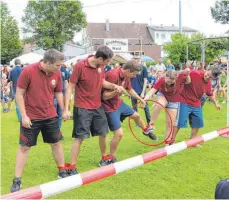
152,127
224,102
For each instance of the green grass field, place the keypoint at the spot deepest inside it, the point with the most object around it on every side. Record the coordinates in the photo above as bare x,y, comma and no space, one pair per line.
192,173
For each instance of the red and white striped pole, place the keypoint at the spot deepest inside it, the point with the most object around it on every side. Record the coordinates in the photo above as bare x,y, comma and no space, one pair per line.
63,185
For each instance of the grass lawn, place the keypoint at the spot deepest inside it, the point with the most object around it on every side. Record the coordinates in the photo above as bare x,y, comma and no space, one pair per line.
192,173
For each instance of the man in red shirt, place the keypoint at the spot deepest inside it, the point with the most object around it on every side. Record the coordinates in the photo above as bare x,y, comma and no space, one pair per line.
36,88
87,80
200,66
168,89
190,105
116,110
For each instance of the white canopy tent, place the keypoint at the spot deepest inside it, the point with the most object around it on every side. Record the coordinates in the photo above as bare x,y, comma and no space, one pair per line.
118,58
121,58
75,59
28,58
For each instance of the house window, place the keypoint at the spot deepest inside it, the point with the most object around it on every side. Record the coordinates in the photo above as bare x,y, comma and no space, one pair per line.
162,36
157,35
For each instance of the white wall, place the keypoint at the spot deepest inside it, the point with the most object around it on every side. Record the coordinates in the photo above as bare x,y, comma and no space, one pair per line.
164,37
71,51
168,34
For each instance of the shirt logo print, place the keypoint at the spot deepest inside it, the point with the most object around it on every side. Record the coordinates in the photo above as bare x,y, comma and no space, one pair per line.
53,82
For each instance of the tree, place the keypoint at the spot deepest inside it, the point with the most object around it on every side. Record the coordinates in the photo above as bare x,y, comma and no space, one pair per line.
194,48
214,48
53,23
220,12
11,46
176,49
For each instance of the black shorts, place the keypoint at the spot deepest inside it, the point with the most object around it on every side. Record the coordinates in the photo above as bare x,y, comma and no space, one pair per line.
49,129
88,122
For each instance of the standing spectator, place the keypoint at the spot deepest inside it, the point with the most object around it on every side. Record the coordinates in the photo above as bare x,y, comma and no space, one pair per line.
139,84
169,65
159,74
4,93
188,65
223,86
13,77
65,78
151,79
107,68
5,70
89,118
37,86
160,67
215,86
152,68
70,69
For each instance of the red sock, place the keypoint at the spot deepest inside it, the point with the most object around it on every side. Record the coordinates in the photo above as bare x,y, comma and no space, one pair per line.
146,128
72,166
111,157
105,157
61,168
67,165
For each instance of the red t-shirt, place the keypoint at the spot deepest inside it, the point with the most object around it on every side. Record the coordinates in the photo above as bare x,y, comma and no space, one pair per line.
115,76
88,85
193,92
201,70
171,92
40,89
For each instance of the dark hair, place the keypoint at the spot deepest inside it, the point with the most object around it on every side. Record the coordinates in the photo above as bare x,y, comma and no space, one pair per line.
52,55
17,62
104,52
215,70
133,66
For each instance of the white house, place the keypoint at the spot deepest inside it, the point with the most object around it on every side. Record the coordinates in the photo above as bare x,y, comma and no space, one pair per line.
162,34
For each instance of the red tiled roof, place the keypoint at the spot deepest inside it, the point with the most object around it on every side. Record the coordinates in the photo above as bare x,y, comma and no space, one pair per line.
119,30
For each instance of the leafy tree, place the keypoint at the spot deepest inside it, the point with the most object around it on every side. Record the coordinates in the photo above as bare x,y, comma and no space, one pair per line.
52,23
194,48
148,64
176,49
11,46
220,11
214,48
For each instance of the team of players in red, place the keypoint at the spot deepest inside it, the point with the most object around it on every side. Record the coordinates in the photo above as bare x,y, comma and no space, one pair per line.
98,105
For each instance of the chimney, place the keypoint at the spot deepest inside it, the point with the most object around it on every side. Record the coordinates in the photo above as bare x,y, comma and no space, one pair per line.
133,22
150,22
107,25
161,25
